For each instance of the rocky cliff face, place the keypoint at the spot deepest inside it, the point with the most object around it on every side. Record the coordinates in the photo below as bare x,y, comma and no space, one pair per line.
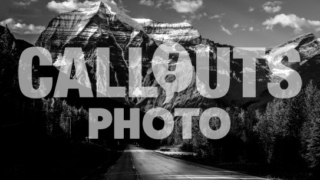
11,49
102,24
7,40
89,28
183,33
308,46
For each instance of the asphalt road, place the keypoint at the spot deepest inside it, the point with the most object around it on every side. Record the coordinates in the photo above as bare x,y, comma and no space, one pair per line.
138,163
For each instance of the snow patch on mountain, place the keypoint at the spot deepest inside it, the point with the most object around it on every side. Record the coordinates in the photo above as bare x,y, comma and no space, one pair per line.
178,32
113,8
142,20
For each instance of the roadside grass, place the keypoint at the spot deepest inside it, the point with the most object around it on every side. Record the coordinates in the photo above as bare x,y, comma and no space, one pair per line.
274,172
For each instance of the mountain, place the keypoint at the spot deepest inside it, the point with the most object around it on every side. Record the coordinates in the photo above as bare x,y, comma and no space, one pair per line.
103,24
10,52
10,43
10,94
182,32
308,46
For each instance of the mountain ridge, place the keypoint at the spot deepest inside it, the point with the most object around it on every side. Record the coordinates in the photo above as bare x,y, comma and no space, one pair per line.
102,27
99,25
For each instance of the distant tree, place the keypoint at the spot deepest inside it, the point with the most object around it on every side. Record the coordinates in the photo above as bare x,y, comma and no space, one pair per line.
7,41
272,127
311,129
313,154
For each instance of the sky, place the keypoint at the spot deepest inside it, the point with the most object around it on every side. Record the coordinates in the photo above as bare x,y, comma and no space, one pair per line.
241,23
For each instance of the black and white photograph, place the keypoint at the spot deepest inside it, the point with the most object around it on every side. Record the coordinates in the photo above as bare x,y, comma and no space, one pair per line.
160,89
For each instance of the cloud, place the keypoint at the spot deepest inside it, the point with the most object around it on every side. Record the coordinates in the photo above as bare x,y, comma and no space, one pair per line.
217,16
226,30
272,7
62,7
251,9
241,28
24,2
193,17
186,6
293,21
161,2
121,6
21,28
181,6
147,2
70,5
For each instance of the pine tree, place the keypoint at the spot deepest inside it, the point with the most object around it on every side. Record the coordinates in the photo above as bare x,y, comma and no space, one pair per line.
313,155
311,129
7,41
